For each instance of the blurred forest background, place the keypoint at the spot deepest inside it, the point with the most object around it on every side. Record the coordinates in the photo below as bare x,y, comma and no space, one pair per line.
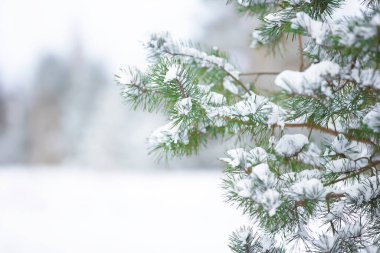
75,174
59,104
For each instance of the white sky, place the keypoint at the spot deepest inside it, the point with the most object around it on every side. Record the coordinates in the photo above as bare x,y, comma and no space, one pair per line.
110,30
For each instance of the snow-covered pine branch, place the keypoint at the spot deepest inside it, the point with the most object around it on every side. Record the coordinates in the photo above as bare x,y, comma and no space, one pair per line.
308,175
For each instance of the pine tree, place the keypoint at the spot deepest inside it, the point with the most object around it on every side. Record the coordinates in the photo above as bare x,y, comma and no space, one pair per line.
306,171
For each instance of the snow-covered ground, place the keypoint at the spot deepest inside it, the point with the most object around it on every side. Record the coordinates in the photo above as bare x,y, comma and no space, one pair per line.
66,210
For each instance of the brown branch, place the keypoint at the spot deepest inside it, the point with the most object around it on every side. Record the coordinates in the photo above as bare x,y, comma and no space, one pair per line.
361,170
312,127
327,131
181,89
329,196
300,47
263,73
331,222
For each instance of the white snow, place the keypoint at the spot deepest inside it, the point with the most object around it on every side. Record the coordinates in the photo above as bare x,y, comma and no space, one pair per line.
345,165
167,134
71,211
311,80
336,211
367,77
237,157
365,190
265,195
291,144
168,46
307,189
240,157
123,76
370,249
296,2
244,188
341,145
257,155
257,39
266,242
372,119
312,155
277,116
184,106
241,110
172,73
229,85
317,30
325,243
216,99
262,173
270,200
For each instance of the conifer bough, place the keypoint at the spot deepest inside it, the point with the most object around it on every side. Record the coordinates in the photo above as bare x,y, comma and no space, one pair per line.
308,175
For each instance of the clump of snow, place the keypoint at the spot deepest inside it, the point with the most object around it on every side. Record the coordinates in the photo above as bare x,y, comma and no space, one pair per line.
372,119
270,200
244,3
257,155
184,106
240,158
172,73
325,243
350,34
241,110
216,99
341,145
366,77
307,189
370,249
336,211
262,174
123,76
297,2
317,29
312,155
237,157
276,116
243,235
132,84
313,79
247,3
167,134
259,186
365,190
277,18
244,188
229,85
257,39
291,144
352,230
266,243
164,44
345,165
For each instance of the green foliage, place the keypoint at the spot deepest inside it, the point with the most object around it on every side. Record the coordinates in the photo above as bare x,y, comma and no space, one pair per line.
308,172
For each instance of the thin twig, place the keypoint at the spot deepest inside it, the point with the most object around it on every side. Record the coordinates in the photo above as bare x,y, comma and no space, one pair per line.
363,169
300,47
181,89
259,73
220,67
327,131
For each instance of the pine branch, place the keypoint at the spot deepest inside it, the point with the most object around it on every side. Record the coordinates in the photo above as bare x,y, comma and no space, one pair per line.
220,67
351,175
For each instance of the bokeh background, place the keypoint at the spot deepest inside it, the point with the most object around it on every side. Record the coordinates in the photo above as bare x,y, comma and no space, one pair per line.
75,174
